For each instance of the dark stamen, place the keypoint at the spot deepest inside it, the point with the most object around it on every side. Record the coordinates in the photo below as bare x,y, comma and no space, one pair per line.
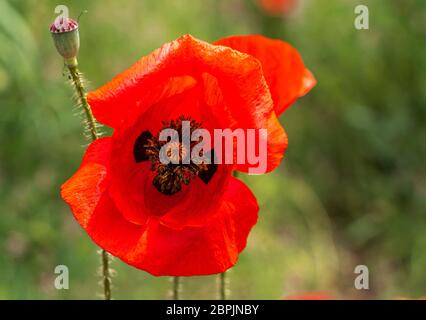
139,150
171,176
207,175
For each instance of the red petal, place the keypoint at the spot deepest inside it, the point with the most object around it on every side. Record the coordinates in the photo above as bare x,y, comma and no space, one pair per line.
310,296
98,152
92,174
132,189
205,250
111,231
277,7
181,65
261,118
200,204
285,73
158,249
84,189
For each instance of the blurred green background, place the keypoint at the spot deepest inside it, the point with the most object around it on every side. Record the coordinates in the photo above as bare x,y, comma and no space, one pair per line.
351,190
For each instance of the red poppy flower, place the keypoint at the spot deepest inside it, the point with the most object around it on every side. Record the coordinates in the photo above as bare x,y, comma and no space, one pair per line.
277,7
181,220
311,296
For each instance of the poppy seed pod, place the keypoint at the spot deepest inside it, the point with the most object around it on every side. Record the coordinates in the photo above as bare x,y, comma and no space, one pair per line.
66,38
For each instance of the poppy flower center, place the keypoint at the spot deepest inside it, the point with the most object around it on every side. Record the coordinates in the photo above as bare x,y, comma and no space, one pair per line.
176,152
180,169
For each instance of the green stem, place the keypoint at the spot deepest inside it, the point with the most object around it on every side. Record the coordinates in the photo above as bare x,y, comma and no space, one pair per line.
81,92
176,288
91,125
222,286
106,276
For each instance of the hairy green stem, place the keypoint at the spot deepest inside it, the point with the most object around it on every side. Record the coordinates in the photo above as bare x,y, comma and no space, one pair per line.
222,286
106,276
176,288
77,81
81,93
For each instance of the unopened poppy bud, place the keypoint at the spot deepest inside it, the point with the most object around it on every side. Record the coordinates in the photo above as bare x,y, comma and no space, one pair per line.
66,38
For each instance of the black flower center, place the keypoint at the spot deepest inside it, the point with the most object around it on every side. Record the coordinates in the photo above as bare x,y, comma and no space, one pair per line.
181,169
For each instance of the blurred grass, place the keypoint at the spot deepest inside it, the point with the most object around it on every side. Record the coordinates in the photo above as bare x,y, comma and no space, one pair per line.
350,191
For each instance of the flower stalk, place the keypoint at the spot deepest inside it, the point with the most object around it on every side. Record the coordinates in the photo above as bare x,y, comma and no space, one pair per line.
78,83
223,290
176,288
106,275
66,38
